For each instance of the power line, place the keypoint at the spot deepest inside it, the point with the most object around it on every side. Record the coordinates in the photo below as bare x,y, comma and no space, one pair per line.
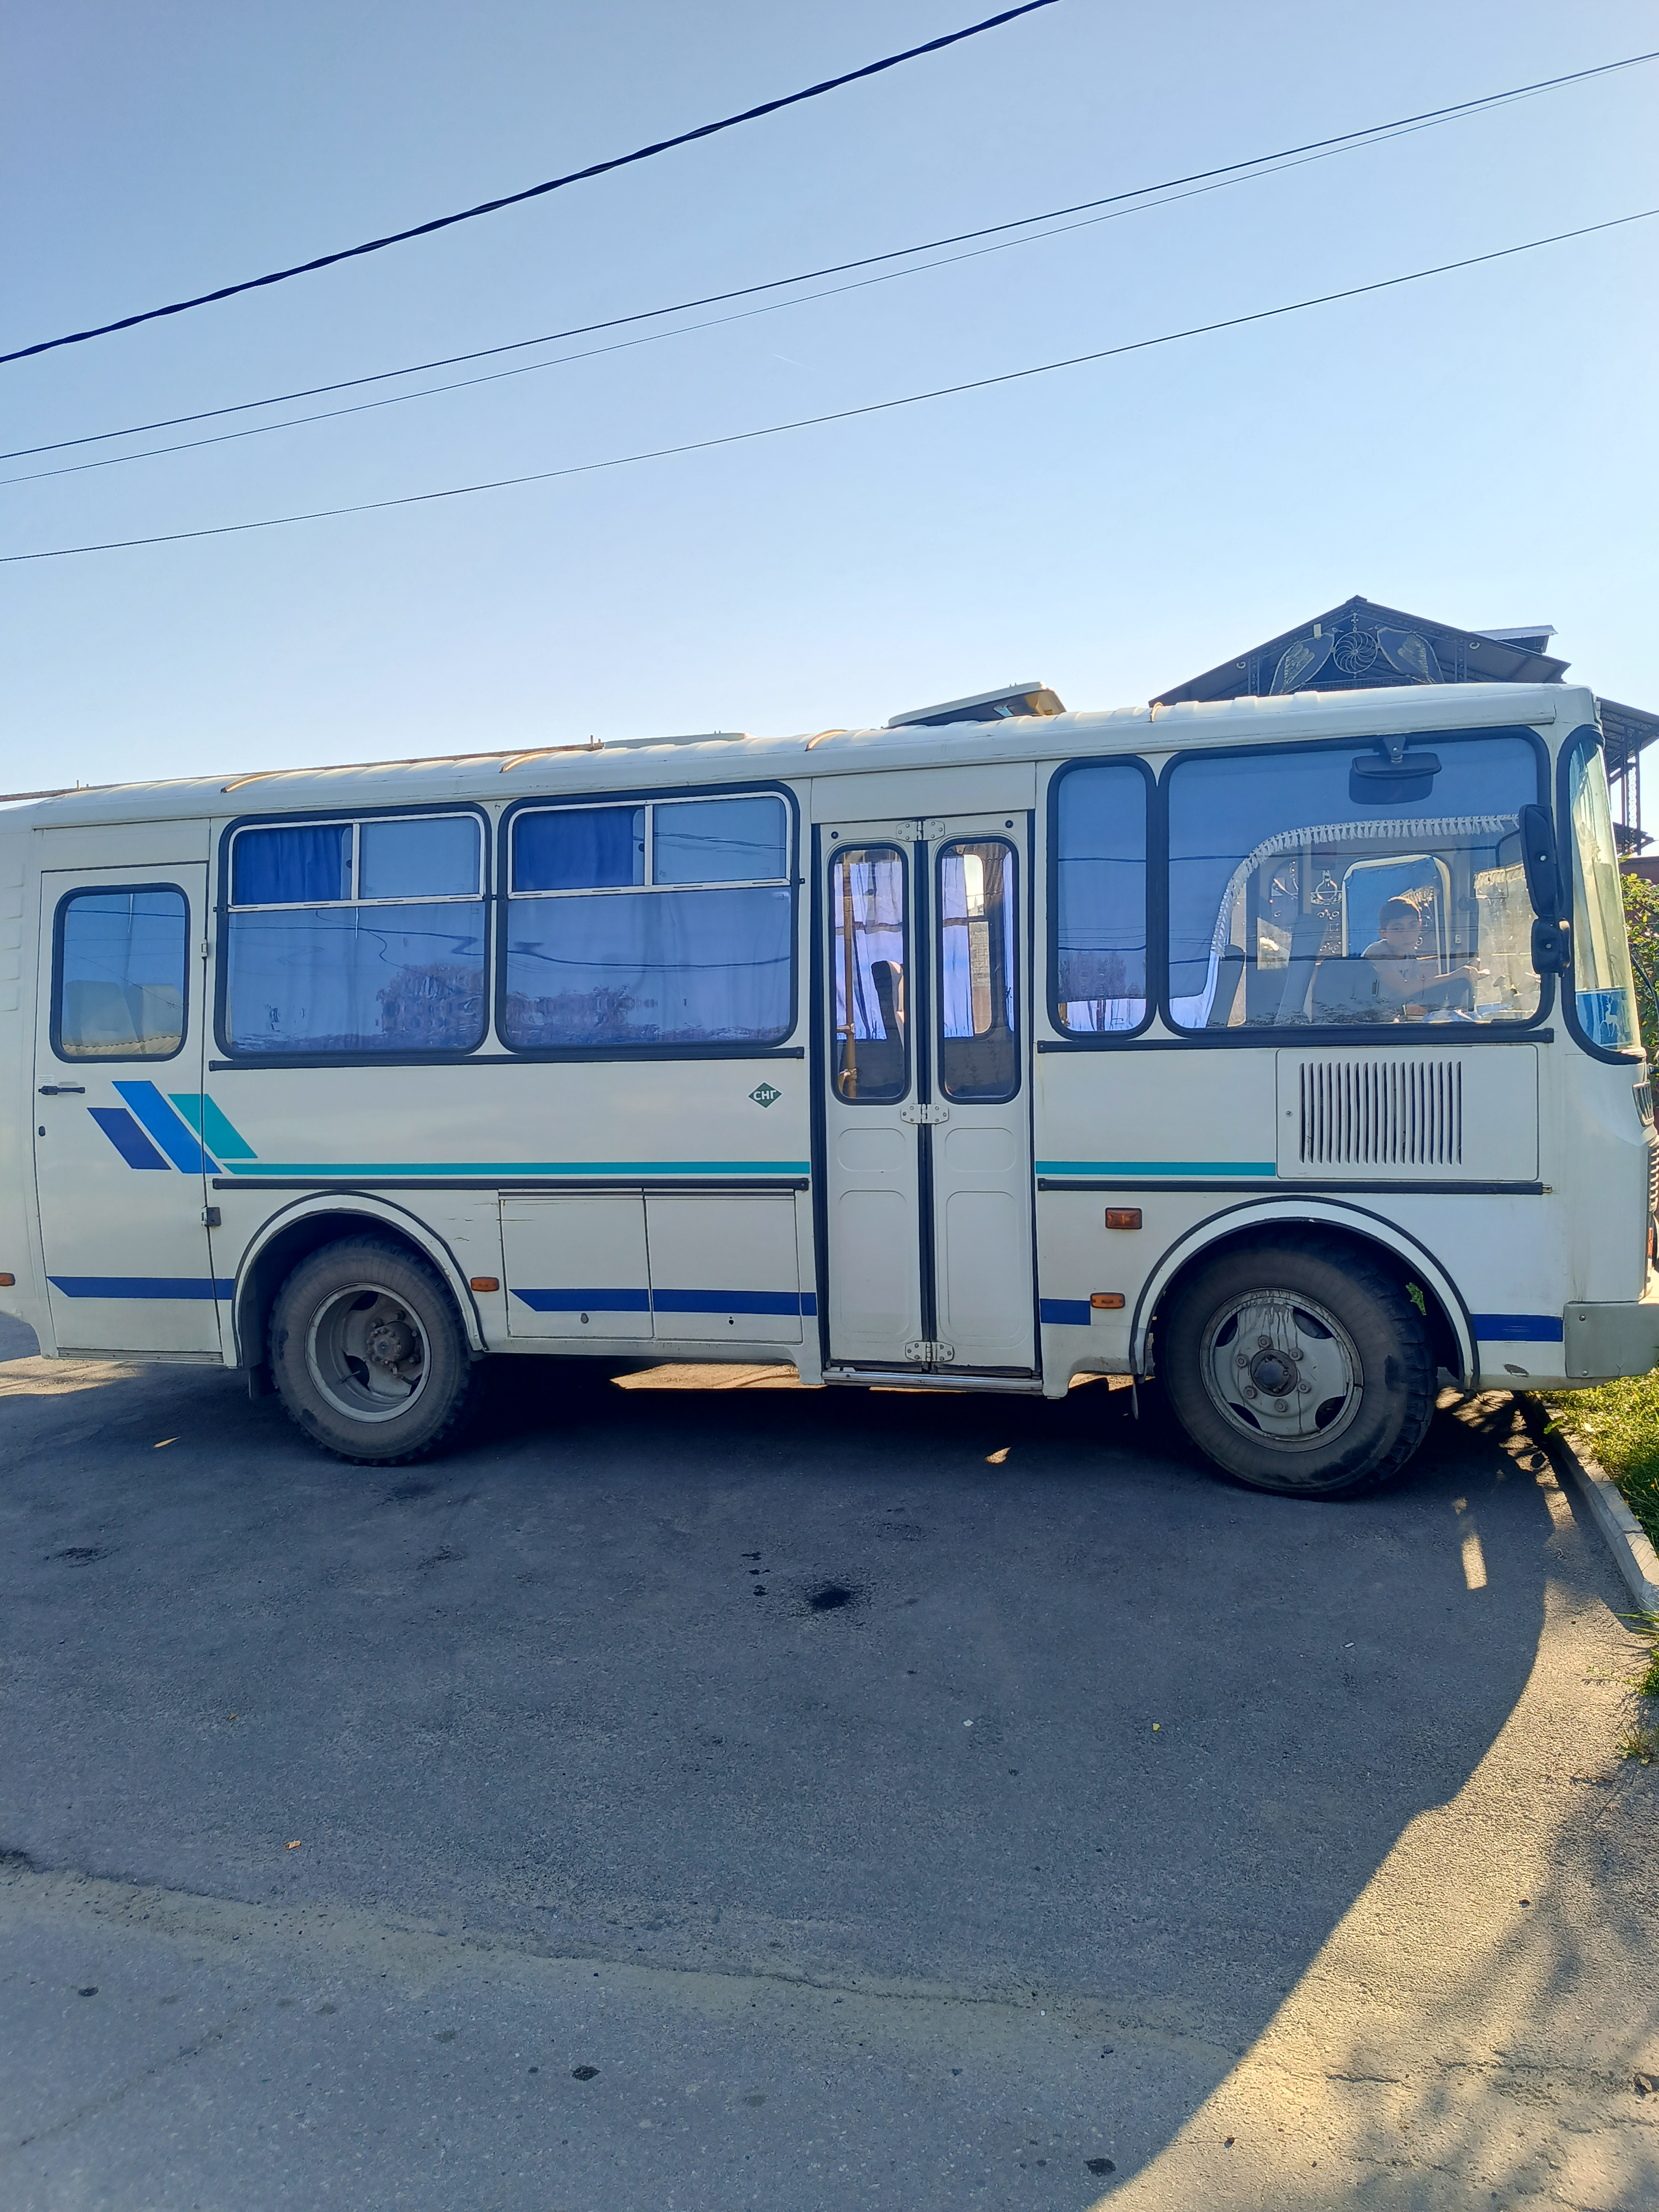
1374,133
532,191
840,415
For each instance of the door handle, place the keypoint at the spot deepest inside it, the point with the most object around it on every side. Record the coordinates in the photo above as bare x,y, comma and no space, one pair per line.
57,1090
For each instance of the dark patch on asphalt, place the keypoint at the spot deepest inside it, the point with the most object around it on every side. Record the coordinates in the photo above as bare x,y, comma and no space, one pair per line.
444,1556
584,2073
91,1990
82,1555
405,1491
1097,2165
830,1597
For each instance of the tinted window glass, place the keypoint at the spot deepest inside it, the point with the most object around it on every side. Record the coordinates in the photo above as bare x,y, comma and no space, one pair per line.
680,968
867,958
419,856
579,848
121,975
1100,925
359,979
1362,884
978,1052
301,865
720,841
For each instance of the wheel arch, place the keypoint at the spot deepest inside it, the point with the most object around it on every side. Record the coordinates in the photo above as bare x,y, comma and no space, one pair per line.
322,1219
1448,1316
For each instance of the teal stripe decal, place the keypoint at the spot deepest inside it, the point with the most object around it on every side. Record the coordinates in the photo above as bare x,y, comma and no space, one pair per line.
375,1170
1157,1167
212,1125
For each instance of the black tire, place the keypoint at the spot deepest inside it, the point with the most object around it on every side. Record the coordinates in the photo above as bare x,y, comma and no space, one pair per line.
368,1352
1298,1364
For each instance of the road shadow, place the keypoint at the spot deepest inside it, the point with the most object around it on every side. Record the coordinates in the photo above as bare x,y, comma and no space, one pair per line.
887,1689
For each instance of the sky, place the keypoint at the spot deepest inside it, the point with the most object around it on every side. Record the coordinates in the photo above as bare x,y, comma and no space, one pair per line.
1477,448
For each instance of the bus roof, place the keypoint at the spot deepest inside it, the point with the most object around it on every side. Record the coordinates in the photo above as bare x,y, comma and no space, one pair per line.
725,757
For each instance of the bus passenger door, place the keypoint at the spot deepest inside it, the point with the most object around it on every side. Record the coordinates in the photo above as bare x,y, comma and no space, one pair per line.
119,1167
928,1158
872,1165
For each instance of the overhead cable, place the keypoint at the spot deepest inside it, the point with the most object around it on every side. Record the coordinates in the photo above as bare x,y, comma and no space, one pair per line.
530,191
1231,171
841,414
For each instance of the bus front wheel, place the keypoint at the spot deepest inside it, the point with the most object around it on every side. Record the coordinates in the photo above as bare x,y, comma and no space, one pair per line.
1299,1365
368,1352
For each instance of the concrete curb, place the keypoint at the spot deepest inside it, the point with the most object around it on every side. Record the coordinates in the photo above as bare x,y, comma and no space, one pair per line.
1632,1551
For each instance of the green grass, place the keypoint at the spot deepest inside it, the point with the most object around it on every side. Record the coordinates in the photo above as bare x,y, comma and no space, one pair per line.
1619,1427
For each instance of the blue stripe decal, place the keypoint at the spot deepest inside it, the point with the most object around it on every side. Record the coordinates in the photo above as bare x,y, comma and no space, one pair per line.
736,1301
379,1170
143,1286
183,1149
212,1126
1517,1328
1158,1168
672,1302
128,1139
809,1305
1070,1313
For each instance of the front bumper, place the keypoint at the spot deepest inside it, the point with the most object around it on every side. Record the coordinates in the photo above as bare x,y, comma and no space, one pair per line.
1601,1343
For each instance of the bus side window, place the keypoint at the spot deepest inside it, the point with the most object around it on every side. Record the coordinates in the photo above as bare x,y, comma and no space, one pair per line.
121,969
1098,972
868,924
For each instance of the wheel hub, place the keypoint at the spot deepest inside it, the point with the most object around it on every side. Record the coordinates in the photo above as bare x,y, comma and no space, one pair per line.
1282,1370
368,1352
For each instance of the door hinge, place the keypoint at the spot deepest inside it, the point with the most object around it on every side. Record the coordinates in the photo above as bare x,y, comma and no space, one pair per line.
925,1351
207,947
210,1218
931,829
925,1117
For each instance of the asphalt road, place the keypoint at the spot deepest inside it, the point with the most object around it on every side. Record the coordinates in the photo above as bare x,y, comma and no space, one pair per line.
695,1798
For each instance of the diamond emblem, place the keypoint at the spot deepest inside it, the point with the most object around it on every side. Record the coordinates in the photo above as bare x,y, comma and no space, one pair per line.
764,1095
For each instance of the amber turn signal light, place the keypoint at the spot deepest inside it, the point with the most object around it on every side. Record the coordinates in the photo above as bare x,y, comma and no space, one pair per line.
485,1282
1110,1300
1123,1217
8,1282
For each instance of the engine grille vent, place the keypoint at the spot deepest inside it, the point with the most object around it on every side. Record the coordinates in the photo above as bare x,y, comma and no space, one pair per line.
1382,1113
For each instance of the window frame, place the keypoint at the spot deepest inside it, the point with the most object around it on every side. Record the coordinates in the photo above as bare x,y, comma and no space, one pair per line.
1566,852
1379,1034
1015,952
1156,871
323,818
55,1018
566,802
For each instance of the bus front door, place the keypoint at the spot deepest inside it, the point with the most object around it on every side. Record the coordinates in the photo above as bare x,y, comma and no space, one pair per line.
927,1162
119,1167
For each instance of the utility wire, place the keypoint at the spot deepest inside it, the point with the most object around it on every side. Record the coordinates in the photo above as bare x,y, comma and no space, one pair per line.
842,413
686,329
532,191
1233,172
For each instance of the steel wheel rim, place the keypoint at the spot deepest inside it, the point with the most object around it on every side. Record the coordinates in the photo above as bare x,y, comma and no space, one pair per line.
1280,1368
368,1352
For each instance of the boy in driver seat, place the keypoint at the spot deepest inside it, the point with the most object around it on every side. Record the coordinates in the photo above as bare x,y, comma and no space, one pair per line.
1407,977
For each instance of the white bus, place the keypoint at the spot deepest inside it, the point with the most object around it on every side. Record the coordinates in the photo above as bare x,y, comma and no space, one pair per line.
1283,1048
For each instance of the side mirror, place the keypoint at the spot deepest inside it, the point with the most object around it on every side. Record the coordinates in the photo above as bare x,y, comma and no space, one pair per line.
1552,948
1542,865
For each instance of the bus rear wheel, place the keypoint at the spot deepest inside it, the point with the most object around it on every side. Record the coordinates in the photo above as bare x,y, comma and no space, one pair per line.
368,1352
1298,1364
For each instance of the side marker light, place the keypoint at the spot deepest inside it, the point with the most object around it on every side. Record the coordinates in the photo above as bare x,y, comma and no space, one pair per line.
1109,1300
8,1282
1123,1217
485,1282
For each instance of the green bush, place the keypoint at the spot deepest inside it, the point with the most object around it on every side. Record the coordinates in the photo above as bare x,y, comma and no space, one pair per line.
1619,1426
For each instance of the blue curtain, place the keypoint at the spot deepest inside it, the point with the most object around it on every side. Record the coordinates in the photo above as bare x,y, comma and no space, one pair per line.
298,866
358,979
579,848
1101,926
